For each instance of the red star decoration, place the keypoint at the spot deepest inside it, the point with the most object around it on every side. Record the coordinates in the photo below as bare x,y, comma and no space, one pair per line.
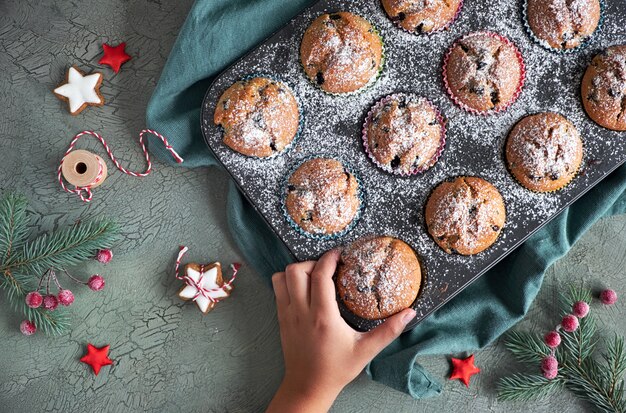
97,357
114,56
463,369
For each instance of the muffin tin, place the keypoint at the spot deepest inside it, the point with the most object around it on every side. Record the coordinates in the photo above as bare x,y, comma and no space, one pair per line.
394,205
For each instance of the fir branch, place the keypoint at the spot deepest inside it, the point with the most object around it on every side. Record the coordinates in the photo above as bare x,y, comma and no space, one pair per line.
64,248
13,224
22,262
580,344
615,359
526,347
525,387
589,383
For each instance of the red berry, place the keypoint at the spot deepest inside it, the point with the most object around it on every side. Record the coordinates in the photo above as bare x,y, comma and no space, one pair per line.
104,256
580,309
608,297
552,339
551,374
569,323
66,297
96,282
28,328
50,302
549,363
34,299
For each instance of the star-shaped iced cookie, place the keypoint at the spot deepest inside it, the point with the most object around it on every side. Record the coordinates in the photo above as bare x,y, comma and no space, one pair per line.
209,279
80,91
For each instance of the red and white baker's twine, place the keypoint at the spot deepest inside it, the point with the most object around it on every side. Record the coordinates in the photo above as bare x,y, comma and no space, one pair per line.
201,291
84,192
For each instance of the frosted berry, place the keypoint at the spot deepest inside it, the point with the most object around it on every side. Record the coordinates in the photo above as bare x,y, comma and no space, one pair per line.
65,297
96,282
580,309
50,302
28,328
104,256
608,297
549,363
34,299
569,323
551,374
552,339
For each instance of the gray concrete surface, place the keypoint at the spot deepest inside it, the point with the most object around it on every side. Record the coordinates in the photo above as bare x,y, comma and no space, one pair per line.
168,357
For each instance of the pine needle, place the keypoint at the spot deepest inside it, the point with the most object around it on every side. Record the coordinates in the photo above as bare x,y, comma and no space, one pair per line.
13,224
580,344
525,387
64,248
587,381
526,347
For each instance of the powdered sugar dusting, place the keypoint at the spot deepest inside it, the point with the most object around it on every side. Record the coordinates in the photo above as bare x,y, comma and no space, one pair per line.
546,147
322,196
395,205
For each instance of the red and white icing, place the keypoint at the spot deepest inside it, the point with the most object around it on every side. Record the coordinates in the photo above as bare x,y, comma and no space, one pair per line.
202,287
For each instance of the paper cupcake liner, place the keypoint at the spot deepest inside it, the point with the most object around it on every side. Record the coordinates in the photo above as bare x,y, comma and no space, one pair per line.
439,30
300,116
294,225
517,93
545,44
565,185
368,118
370,83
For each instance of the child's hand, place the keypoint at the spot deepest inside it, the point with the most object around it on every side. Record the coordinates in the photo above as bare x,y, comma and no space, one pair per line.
322,352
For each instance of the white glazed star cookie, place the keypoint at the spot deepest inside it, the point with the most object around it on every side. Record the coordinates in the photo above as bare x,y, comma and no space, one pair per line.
205,285
80,91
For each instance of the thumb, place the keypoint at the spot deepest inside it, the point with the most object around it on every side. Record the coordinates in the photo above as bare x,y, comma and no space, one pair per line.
380,337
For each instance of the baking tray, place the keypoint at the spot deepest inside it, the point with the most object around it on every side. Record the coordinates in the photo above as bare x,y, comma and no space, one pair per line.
394,205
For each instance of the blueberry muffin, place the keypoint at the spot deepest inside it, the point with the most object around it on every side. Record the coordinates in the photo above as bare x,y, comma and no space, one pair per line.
378,277
322,197
544,152
422,16
563,24
404,134
260,117
483,72
465,215
341,52
604,88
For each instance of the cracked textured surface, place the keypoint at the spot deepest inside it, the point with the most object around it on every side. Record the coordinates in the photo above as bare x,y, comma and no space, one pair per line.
229,360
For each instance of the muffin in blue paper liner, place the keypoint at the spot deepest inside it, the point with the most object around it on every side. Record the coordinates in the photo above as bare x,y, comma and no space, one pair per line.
260,116
357,50
562,27
322,198
404,134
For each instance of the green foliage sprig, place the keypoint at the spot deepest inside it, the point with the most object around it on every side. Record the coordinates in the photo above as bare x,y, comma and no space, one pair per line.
597,380
23,261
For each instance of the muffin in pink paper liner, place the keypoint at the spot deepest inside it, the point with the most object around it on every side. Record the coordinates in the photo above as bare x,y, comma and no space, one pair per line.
484,73
404,134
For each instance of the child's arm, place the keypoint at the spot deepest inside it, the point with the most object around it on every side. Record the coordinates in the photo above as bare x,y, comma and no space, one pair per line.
322,352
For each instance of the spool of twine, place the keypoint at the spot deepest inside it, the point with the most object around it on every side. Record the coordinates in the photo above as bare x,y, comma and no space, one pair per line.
84,169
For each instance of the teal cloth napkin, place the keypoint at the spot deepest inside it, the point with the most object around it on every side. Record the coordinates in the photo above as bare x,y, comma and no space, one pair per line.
215,34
